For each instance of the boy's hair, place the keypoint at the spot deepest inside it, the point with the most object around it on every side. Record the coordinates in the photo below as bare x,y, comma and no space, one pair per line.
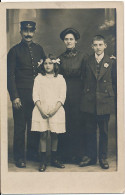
98,38
56,68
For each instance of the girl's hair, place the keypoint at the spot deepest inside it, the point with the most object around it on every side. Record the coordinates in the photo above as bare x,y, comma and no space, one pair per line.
56,68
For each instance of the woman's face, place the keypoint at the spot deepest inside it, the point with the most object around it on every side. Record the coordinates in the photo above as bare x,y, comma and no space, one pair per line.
70,41
49,66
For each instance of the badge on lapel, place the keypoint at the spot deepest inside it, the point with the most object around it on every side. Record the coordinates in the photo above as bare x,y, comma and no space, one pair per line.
106,65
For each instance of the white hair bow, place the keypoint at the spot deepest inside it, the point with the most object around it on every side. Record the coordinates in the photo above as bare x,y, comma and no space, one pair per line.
56,61
40,62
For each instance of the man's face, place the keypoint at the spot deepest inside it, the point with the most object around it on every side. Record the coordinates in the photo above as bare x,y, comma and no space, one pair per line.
70,41
99,46
27,34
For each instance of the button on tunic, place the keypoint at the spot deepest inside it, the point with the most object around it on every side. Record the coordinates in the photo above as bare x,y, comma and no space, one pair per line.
22,62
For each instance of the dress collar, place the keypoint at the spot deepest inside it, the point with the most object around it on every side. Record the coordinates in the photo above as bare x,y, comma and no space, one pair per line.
70,52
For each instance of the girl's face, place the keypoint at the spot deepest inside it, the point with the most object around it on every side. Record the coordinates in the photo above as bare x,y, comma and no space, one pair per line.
70,41
49,66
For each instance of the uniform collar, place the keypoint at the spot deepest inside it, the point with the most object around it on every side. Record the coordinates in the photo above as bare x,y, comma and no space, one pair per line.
99,58
25,43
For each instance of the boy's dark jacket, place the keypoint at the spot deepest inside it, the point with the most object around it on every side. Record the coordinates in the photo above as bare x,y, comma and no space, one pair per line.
98,95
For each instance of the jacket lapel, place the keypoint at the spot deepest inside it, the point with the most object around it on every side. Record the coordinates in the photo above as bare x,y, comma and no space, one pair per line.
93,65
104,66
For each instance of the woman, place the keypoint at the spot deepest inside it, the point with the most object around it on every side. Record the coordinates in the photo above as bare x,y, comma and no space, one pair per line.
71,68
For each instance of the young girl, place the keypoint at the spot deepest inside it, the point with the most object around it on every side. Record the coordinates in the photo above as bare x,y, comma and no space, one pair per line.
49,93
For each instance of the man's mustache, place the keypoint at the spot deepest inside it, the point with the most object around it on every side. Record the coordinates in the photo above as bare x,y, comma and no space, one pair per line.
28,36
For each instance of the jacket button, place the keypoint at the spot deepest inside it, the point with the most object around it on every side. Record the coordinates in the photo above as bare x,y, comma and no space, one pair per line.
106,90
104,81
87,89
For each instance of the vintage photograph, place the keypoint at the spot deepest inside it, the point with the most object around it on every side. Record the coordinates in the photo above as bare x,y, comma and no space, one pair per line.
62,97
62,84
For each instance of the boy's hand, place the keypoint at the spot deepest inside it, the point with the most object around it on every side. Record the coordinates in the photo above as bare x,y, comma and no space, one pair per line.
17,103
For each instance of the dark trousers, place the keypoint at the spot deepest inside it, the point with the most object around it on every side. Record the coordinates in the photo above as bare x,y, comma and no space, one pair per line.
90,135
22,121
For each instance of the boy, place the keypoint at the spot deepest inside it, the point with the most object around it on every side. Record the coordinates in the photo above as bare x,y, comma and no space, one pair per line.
99,75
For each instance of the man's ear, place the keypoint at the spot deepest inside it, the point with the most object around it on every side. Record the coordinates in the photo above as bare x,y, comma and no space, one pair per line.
92,46
105,45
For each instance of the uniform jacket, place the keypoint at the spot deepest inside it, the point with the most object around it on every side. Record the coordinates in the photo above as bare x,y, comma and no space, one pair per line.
98,94
22,66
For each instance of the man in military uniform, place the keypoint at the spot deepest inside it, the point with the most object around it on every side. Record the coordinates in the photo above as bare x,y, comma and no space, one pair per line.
22,67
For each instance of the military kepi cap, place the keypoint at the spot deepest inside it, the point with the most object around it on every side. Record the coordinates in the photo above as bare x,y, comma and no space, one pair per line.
24,25
70,31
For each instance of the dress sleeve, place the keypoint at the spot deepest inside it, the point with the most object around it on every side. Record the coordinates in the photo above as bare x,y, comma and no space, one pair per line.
36,95
62,94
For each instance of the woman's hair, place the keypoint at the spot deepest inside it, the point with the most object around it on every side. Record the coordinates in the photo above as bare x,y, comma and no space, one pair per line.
70,31
56,68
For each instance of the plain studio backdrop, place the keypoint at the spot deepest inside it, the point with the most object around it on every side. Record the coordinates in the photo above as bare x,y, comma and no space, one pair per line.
50,22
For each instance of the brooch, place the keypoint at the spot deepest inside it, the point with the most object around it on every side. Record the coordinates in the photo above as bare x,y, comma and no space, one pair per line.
106,65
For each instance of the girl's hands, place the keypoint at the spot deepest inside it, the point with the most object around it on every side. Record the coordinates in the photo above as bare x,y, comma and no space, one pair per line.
42,112
53,111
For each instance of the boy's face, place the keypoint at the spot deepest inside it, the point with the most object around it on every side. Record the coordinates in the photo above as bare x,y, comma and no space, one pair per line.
99,46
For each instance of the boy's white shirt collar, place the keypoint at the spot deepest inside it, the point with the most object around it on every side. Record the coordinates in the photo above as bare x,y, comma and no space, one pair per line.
99,58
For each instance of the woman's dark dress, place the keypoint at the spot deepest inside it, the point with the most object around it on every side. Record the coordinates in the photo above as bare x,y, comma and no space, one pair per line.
70,68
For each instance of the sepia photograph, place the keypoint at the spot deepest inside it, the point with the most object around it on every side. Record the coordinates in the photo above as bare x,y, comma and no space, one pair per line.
62,95
70,123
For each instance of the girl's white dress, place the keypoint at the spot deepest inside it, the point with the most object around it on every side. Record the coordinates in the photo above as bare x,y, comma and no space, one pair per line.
49,90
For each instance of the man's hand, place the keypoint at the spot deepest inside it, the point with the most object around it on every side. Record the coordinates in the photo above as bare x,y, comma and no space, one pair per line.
17,103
